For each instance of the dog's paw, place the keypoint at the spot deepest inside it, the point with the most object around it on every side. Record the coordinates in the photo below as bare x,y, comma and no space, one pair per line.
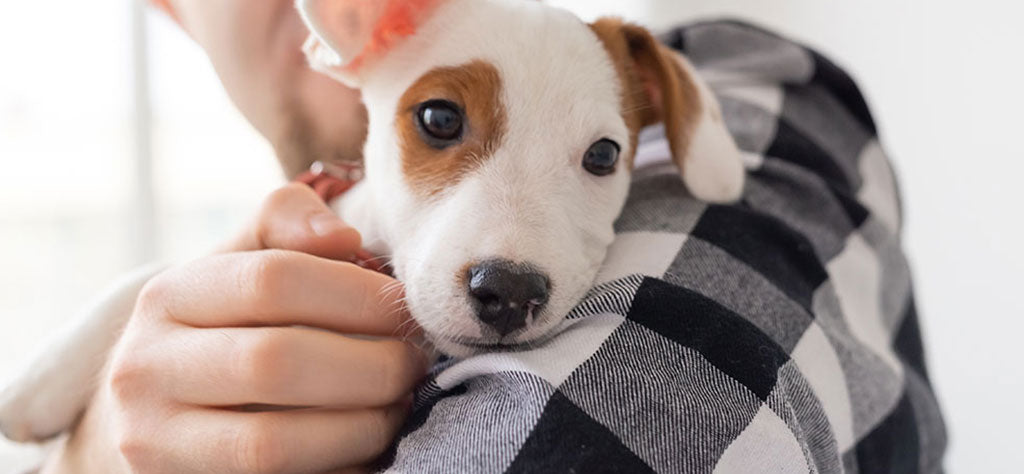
52,390
35,409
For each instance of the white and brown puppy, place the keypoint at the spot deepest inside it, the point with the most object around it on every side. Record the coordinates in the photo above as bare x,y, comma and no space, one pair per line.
500,146
501,140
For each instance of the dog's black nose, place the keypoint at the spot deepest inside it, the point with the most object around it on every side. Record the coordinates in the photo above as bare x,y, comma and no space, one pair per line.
507,293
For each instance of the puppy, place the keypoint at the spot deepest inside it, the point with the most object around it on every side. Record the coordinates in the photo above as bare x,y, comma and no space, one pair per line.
501,141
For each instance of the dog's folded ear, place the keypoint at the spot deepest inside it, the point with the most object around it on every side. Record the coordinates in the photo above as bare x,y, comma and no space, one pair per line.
662,86
347,35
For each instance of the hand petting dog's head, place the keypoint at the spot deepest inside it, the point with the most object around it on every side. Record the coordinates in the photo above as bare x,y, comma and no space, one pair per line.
501,140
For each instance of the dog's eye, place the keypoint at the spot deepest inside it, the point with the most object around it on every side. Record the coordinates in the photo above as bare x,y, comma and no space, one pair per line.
601,158
440,123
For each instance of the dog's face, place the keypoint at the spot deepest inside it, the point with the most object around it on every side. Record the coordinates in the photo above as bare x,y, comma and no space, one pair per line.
500,146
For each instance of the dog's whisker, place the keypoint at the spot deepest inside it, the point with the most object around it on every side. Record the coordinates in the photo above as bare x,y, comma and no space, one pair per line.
389,289
380,258
393,294
406,329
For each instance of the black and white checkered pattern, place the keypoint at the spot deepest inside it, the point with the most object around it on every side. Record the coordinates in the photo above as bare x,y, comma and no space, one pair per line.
775,335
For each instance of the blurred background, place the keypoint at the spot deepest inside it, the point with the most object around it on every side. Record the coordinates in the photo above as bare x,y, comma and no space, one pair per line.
119,147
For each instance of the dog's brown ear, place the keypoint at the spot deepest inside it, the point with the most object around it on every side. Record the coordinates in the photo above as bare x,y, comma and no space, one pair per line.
348,34
660,85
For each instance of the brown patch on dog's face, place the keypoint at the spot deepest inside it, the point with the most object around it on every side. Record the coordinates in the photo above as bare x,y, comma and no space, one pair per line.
476,89
654,86
636,106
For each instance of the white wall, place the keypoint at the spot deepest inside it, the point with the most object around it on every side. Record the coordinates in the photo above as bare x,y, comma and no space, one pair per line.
946,83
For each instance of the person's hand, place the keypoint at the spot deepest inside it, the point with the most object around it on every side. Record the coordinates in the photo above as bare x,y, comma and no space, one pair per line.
237,362
256,48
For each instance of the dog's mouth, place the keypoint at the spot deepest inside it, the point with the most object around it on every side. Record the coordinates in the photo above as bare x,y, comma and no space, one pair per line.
475,345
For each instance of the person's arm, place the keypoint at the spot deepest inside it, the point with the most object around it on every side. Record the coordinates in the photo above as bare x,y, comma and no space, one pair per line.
216,346
256,49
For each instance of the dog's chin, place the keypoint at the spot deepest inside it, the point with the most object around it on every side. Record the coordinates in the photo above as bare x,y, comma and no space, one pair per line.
462,348
458,345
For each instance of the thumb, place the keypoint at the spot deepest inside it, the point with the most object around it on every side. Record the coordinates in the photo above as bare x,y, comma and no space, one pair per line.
295,218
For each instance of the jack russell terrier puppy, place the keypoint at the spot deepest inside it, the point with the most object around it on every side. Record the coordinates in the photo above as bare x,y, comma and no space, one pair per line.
501,139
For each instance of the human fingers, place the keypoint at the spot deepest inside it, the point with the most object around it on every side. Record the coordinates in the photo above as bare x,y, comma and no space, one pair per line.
296,441
295,218
278,288
283,367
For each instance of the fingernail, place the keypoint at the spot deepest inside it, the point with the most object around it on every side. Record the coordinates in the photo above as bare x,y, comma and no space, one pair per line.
325,223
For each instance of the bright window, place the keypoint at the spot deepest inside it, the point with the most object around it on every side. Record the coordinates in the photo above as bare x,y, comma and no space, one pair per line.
95,182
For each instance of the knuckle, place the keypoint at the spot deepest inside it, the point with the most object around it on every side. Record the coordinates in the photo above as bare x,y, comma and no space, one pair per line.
135,450
264,277
280,197
257,449
278,204
128,378
261,363
154,293
283,199
275,203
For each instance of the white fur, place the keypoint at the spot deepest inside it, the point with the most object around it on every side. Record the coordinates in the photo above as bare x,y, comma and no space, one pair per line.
531,201
713,167
51,391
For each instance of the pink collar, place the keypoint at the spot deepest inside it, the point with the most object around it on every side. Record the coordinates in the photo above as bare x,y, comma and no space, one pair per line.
331,180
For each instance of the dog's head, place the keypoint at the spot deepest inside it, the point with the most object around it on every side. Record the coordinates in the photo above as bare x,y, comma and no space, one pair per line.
501,140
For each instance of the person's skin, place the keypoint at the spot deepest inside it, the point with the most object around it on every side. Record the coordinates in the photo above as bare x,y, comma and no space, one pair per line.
213,345
217,348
